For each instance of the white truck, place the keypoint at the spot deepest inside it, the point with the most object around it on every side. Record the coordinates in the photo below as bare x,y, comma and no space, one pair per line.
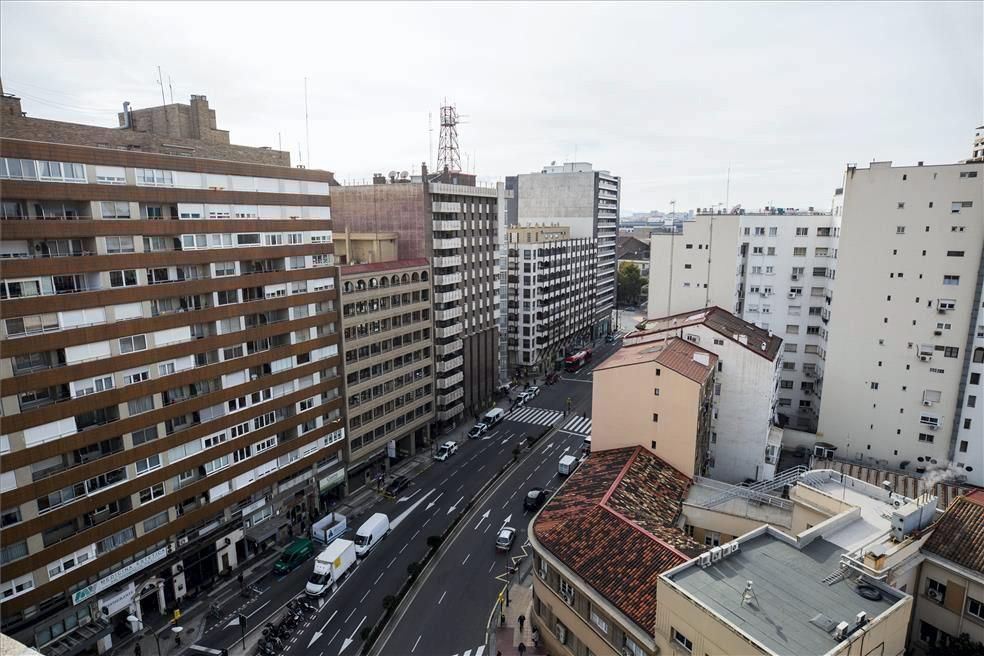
330,566
567,465
329,528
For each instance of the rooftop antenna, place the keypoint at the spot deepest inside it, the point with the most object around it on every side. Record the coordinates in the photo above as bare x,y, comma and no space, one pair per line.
448,154
160,82
748,595
307,131
727,190
170,85
430,138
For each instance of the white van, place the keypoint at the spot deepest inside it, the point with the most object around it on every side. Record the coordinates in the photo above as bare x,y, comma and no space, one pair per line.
493,417
371,533
330,566
567,465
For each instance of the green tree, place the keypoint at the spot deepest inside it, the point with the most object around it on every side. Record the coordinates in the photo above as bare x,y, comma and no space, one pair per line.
962,646
630,282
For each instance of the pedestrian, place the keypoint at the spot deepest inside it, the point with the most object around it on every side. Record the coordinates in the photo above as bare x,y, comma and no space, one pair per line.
535,633
136,650
522,648
522,621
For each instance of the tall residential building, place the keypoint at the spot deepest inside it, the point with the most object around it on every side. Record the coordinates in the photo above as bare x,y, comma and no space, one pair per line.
776,269
745,441
550,300
388,342
575,195
658,395
170,364
899,382
452,221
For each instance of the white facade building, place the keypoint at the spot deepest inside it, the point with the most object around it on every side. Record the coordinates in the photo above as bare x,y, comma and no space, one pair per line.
744,442
899,387
575,195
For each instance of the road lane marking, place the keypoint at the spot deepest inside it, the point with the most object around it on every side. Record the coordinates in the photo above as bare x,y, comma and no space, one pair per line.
334,636
416,533
442,597
391,562
379,577
466,559
256,611
350,615
459,487
444,481
365,595
416,643
492,566
404,547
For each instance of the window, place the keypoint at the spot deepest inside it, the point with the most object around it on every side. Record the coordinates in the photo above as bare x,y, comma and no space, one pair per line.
144,435
542,570
133,343
561,631
974,607
151,493
225,269
20,585
124,278
790,348
655,416
119,245
599,621
11,552
155,177
900,230
147,464
566,591
757,250
679,638
968,174
114,210
155,522
971,401
951,280
629,646
802,232
165,369
956,206
954,253
935,590
143,404
773,231
925,437
712,539
136,376
792,329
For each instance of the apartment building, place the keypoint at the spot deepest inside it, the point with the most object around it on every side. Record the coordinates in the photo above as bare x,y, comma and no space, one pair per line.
658,395
599,546
550,299
586,200
745,440
950,592
388,342
447,218
170,364
977,153
900,386
781,279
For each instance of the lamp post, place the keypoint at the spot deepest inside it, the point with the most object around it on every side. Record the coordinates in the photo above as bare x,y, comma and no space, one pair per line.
134,619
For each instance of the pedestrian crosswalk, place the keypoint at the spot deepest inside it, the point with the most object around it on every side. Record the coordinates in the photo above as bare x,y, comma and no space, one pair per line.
478,651
579,425
532,415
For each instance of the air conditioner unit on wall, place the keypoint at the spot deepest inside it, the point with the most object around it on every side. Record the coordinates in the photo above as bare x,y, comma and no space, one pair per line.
925,357
934,594
927,403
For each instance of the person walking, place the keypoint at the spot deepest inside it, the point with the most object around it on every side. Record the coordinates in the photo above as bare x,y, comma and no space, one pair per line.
522,621
522,648
136,650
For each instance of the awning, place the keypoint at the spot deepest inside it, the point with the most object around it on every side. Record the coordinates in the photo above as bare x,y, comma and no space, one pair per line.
264,530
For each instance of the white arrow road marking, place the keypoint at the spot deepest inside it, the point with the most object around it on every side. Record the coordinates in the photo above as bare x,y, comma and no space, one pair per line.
396,522
566,449
483,518
436,499
319,632
233,622
408,497
349,641
453,507
506,520
549,446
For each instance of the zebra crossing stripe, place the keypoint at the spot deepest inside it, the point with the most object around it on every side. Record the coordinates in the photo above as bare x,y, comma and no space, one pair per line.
478,651
578,425
540,416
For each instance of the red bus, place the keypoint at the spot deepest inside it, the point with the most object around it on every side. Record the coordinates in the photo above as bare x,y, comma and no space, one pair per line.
575,362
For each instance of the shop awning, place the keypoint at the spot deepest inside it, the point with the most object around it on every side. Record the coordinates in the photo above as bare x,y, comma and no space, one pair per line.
264,530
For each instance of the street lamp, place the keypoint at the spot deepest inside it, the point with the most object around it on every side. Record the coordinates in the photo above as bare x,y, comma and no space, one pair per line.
136,620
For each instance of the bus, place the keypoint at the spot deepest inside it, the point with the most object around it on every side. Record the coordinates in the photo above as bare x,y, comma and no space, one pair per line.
575,362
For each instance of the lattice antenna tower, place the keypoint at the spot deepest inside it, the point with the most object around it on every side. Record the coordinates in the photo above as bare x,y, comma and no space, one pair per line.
448,155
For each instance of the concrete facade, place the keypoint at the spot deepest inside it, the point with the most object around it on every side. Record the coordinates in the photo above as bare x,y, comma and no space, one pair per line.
898,378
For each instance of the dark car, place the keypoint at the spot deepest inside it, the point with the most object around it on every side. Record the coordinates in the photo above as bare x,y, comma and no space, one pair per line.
609,339
397,485
535,498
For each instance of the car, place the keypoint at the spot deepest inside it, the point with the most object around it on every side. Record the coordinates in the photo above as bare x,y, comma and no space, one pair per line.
397,485
477,430
552,378
529,394
535,498
504,539
446,450
609,339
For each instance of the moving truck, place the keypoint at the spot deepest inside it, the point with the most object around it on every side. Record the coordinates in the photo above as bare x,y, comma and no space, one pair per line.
566,465
330,566
371,533
329,527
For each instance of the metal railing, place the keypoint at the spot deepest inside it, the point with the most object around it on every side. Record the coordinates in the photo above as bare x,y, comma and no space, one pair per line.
755,492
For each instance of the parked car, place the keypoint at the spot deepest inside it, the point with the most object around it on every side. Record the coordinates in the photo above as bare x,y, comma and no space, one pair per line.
446,450
397,485
504,540
529,394
477,430
609,339
535,498
296,553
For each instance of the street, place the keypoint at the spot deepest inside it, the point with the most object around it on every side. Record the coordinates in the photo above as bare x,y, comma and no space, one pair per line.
447,611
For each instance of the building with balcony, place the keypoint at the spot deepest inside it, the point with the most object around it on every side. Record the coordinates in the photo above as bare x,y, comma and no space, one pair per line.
745,441
550,296
585,200
170,367
657,395
388,342
447,218
905,354
775,268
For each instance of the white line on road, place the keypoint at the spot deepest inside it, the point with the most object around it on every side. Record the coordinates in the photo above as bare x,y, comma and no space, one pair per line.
391,562
365,595
329,620
404,547
480,468
501,450
466,559
425,523
416,533
442,597
492,566
334,636
379,577
459,487
444,481
256,611
416,643
350,615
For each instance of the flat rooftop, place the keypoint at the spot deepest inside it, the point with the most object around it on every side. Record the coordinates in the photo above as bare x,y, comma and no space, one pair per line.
793,610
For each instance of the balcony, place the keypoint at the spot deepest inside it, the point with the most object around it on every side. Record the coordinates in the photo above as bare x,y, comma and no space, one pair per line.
442,262
449,381
448,297
449,331
452,244
450,397
447,315
449,365
449,348
445,206
447,279
447,226
451,412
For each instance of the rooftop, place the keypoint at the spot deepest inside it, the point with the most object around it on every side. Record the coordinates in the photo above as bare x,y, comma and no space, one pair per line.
613,524
793,611
959,534
719,320
375,267
677,354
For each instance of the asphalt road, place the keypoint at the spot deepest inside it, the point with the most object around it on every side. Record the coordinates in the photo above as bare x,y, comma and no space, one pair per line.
452,605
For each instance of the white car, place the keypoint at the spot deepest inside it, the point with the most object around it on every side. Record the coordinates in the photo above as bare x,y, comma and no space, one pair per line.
529,394
504,540
446,450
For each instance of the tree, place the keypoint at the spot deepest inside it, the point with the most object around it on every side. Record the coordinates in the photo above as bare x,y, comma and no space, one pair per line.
962,646
630,282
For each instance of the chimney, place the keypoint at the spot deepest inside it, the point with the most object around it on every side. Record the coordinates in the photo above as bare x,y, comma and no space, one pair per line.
702,359
743,339
127,121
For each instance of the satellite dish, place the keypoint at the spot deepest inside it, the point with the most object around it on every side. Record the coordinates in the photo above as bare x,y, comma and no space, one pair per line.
392,174
404,174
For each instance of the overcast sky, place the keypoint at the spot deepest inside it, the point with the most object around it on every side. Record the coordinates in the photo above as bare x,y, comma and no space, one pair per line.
664,95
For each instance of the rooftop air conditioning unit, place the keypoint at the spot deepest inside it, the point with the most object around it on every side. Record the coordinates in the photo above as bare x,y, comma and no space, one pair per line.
934,594
716,554
704,560
841,631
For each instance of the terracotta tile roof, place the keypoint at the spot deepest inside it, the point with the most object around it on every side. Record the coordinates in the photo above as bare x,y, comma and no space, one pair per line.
676,354
612,523
722,322
393,265
959,533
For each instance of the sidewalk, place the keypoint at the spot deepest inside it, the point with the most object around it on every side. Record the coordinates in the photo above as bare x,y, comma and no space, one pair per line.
508,636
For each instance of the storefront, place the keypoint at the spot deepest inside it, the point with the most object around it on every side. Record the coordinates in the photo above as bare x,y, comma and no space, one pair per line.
331,489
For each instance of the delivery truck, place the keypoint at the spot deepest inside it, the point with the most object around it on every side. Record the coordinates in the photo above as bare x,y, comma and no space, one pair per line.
330,566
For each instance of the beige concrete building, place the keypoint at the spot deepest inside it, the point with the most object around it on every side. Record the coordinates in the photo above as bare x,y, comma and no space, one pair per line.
387,339
900,382
659,396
